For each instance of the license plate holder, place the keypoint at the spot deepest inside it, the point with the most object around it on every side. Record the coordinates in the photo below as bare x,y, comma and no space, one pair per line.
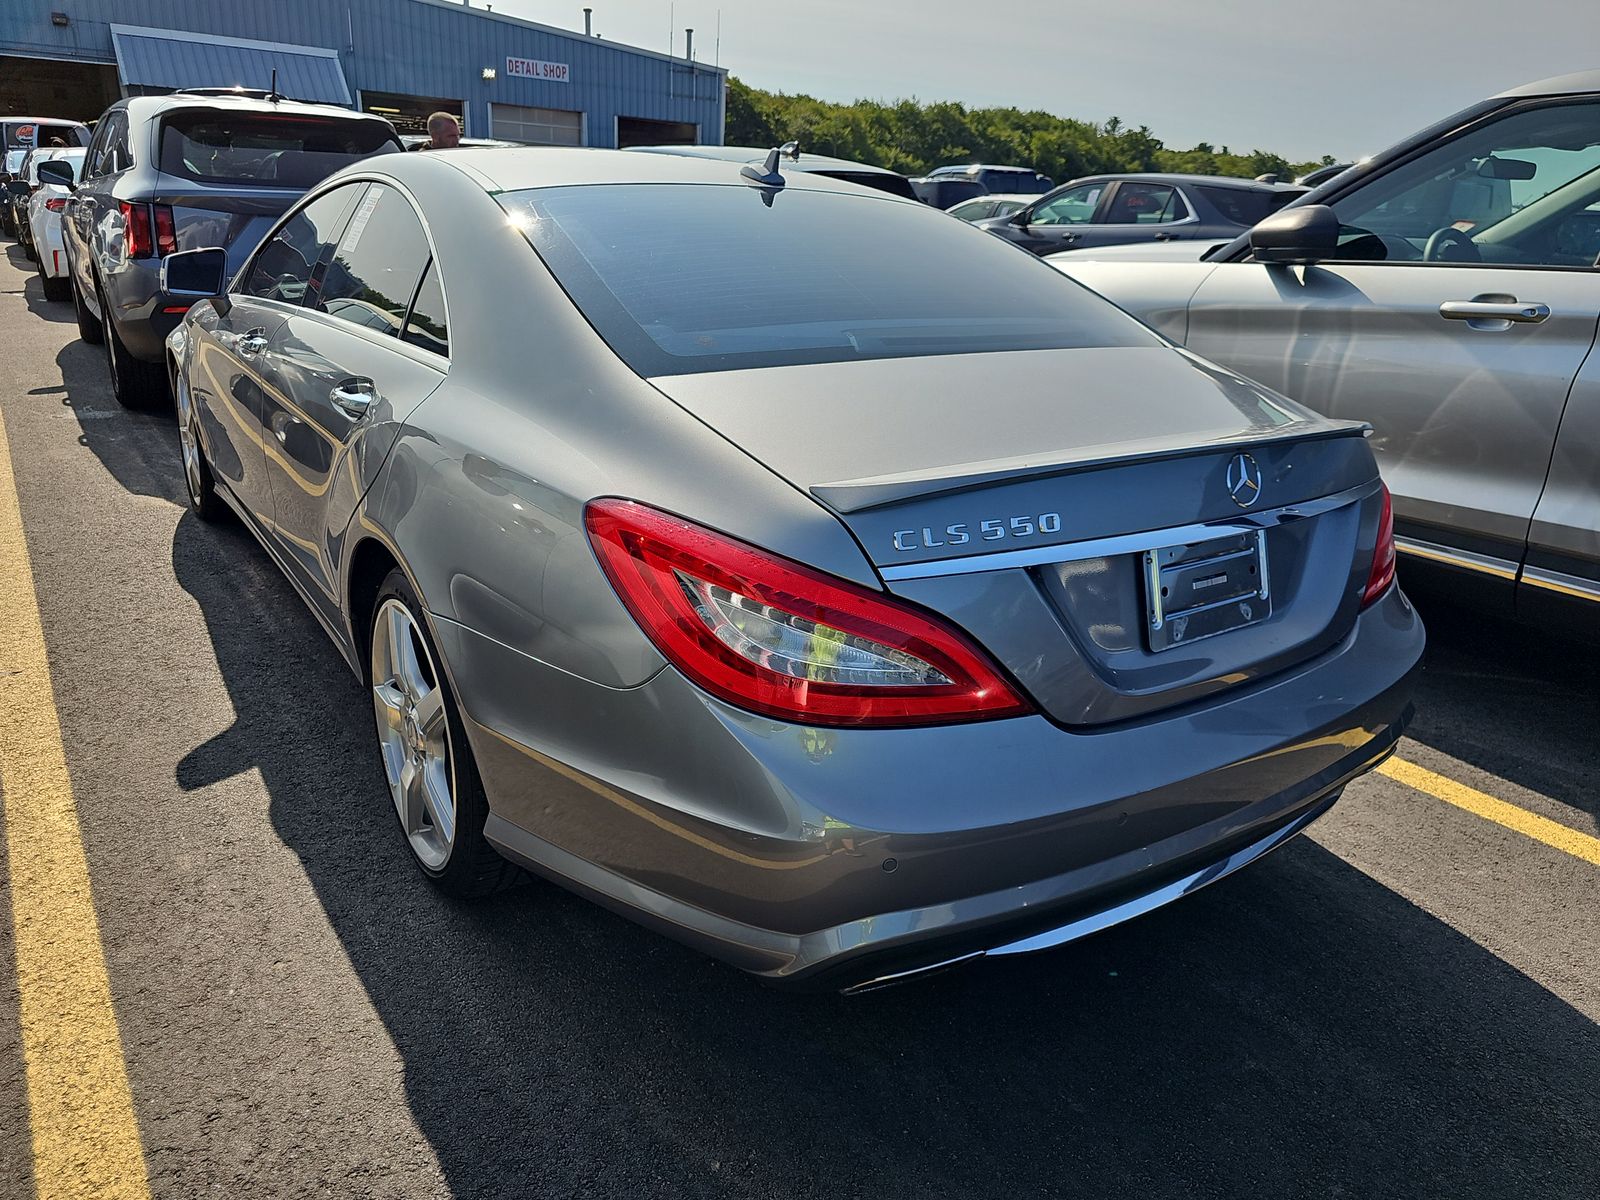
1200,589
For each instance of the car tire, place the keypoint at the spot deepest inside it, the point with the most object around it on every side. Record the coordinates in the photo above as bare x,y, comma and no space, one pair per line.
89,328
58,288
199,483
426,761
27,248
135,384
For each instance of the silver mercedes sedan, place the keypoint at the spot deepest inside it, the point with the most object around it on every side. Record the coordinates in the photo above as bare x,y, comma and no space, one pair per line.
813,578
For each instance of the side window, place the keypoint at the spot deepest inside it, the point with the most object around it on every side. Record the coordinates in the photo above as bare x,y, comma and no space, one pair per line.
282,268
425,327
1520,190
379,259
97,148
117,157
1075,206
1146,204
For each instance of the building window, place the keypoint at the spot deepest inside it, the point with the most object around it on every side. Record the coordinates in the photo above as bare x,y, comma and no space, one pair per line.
409,114
540,126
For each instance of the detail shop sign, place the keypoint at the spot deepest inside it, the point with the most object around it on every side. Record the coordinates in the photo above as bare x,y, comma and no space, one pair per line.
533,68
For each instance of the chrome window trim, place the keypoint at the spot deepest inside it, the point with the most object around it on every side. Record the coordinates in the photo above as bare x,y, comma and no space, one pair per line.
1124,543
1484,564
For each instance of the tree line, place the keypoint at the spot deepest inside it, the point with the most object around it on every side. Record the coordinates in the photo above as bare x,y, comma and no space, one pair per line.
912,137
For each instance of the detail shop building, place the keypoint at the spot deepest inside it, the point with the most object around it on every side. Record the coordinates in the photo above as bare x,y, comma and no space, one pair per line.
503,76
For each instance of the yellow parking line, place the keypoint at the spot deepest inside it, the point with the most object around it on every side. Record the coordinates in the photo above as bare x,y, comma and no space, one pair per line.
80,1109
1540,829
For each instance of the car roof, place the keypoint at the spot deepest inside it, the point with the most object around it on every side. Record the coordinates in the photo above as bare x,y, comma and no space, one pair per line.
573,166
1227,181
145,107
963,167
748,154
1557,85
1019,197
10,119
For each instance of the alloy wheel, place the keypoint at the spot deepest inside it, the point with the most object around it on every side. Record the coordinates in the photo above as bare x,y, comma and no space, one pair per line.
413,734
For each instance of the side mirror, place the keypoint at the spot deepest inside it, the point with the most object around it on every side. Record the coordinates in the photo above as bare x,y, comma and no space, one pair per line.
1020,218
19,187
200,273
1306,234
54,170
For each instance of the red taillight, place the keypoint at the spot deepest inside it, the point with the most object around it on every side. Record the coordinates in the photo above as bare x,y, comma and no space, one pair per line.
56,203
1382,573
166,234
781,639
136,230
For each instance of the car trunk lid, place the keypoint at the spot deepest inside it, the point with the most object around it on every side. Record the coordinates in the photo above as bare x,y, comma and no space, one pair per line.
1043,501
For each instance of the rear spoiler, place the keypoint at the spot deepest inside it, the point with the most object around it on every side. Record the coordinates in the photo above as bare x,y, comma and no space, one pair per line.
858,495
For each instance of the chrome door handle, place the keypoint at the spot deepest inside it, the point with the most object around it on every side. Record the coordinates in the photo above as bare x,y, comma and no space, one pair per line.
353,397
251,343
1165,237
1518,311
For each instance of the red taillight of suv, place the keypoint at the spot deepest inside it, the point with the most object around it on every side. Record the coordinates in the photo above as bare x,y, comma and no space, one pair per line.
770,635
136,229
166,231
56,204
147,238
1382,573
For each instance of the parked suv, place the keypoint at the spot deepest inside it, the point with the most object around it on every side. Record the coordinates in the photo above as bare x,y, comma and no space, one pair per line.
1007,180
184,172
1109,210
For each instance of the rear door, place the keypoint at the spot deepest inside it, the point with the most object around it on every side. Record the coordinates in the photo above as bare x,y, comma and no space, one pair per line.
233,377
369,345
109,156
1464,300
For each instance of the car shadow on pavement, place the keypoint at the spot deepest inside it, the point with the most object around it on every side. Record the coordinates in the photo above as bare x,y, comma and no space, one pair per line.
1299,1030
138,449
1513,700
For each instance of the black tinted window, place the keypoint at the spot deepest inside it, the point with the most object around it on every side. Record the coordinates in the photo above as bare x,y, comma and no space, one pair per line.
377,263
265,148
425,327
895,185
704,278
282,268
1244,208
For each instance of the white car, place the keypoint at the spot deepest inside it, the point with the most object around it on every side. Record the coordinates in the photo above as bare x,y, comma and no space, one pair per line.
45,207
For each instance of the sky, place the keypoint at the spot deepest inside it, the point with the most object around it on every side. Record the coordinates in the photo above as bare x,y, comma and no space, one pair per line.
1302,78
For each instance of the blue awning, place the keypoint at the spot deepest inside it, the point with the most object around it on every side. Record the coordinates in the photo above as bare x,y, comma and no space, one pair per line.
175,58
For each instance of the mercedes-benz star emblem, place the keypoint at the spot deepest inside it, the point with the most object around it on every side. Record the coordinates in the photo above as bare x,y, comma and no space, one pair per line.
1244,480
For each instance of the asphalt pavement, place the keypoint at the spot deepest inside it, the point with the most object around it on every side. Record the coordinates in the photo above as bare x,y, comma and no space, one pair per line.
1402,1003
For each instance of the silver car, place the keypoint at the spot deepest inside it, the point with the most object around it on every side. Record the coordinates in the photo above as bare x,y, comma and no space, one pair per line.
1447,291
704,551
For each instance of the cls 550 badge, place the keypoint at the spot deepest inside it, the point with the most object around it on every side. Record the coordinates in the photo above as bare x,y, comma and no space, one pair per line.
963,532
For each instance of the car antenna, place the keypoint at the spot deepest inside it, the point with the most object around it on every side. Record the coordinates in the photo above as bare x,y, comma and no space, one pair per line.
273,93
767,173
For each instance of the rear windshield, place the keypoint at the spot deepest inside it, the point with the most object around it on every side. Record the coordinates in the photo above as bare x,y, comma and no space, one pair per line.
683,278
1245,207
265,148
1026,183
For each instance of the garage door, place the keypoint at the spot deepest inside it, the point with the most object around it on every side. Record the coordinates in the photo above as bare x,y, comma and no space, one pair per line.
542,126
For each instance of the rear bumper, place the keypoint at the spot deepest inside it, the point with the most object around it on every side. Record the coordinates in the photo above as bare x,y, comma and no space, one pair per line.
836,858
138,308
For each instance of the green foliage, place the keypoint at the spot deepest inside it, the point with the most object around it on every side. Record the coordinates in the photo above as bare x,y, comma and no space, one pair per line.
913,138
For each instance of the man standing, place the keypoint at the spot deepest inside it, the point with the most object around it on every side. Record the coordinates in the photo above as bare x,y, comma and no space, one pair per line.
444,132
